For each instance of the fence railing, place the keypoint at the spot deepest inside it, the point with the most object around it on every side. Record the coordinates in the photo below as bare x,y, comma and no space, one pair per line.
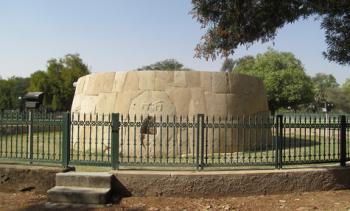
90,139
31,136
175,142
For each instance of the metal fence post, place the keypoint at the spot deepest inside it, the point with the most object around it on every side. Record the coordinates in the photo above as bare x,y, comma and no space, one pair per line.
276,141
197,145
279,140
115,141
343,140
30,136
200,142
66,139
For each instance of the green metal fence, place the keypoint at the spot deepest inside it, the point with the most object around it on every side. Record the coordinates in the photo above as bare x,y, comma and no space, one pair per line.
311,139
33,137
176,142
203,142
90,139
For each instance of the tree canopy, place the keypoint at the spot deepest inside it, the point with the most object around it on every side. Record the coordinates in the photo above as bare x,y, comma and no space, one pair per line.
168,64
233,23
340,97
283,75
228,65
322,83
11,91
57,81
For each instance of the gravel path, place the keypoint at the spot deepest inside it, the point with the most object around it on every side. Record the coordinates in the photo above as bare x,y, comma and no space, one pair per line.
330,200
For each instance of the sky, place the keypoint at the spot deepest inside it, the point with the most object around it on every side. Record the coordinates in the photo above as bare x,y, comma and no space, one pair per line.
119,35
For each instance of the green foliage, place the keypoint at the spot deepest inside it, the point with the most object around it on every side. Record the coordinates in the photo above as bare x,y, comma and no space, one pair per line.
346,86
233,23
322,83
166,65
283,75
10,92
18,88
39,81
4,95
57,81
228,65
340,97
337,28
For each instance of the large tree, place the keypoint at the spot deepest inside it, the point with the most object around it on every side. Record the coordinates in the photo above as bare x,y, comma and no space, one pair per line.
229,64
346,86
57,81
11,92
232,23
322,84
39,81
166,65
340,97
4,93
283,75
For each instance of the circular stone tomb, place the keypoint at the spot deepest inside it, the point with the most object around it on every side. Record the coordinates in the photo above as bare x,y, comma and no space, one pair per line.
156,95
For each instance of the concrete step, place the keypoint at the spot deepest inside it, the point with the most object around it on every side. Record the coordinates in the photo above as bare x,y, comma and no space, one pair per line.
84,179
78,195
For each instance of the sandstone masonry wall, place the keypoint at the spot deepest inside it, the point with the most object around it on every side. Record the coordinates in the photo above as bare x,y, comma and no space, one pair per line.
168,93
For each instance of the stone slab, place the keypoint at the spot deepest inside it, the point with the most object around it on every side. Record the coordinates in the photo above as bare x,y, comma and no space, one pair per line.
232,183
80,195
99,82
84,179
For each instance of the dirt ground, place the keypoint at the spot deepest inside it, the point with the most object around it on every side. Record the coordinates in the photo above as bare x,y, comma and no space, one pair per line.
330,200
